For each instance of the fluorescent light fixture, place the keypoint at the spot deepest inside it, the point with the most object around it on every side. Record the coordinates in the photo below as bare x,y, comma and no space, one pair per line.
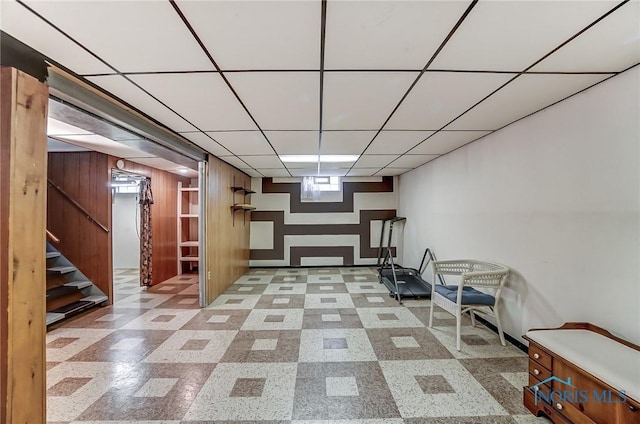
323,158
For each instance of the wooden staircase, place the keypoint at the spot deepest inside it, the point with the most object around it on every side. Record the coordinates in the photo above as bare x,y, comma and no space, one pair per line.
68,290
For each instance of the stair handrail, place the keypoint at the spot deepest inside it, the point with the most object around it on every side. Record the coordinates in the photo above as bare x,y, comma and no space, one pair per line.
78,206
52,237
428,253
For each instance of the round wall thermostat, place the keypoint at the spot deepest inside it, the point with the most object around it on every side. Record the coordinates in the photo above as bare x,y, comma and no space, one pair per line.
120,164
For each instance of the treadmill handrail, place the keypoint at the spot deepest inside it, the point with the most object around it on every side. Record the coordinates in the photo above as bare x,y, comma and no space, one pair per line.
423,266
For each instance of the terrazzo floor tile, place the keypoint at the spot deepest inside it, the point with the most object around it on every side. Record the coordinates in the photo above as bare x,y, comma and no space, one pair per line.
464,396
353,390
151,392
193,346
274,402
295,345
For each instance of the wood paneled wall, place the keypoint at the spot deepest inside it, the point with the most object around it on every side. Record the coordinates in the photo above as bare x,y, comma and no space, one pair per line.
23,112
85,177
227,240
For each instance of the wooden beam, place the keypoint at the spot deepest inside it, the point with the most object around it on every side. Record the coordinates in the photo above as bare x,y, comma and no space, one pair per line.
23,148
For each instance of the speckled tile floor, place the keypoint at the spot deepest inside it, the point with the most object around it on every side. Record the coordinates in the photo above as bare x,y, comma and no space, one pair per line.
297,345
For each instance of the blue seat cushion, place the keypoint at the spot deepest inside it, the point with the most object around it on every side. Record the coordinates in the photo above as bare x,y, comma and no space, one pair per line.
470,296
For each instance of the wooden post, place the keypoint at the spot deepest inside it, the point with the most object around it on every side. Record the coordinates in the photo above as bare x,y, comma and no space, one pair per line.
23,178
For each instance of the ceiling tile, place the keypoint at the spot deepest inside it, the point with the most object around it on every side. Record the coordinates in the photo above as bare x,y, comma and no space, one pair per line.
23,25
266,161
446,141
512,35
280,100
253,173
525,95
396,142
371,161
613,44
345,142
392,171
234,161
129,93
138,36
243,142
294,142
439,97
363,172
304,172
258,35
274,173
204,99
204,141
362,100
412,161
333,172
367,35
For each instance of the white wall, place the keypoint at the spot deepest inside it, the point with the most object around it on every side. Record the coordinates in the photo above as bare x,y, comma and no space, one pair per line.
555,197
125,221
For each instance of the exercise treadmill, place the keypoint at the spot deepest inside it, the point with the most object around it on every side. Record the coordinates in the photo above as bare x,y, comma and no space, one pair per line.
400,281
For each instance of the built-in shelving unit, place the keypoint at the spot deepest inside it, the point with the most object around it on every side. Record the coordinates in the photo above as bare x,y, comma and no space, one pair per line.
188,216
243,205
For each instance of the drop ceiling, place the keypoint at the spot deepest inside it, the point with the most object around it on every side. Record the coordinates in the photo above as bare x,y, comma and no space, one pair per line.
398,83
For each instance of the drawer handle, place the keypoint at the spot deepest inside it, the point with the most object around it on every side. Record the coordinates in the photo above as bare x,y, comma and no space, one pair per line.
536,371
536,356
558,406
633,408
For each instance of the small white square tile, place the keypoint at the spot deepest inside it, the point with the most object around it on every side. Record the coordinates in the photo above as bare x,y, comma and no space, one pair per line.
326,288
375,299
264,344
109,317
288,278
280,301
331,317
218,319
404,341
166,288
191,301
245,289
128,343
341,386
156,387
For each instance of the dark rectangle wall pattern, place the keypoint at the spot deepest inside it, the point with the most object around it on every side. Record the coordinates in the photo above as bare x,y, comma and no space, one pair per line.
287,231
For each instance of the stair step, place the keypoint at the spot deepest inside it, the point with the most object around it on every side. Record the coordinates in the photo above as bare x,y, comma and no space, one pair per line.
62,269
54,317
97,299
74,307
82,284
60,291
52,254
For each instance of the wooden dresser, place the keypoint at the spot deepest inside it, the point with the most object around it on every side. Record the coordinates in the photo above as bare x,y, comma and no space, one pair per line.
582,374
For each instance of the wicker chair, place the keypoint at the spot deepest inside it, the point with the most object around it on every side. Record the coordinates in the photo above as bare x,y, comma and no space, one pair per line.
463,297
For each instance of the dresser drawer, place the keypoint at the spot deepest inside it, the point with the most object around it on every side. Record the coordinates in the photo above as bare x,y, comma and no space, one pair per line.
570,411
540,356
538,371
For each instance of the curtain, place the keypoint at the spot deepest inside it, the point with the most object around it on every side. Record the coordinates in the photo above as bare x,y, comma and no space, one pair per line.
310,190
146,200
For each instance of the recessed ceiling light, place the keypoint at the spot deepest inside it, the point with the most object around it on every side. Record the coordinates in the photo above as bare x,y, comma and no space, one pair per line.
183,170
323,158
